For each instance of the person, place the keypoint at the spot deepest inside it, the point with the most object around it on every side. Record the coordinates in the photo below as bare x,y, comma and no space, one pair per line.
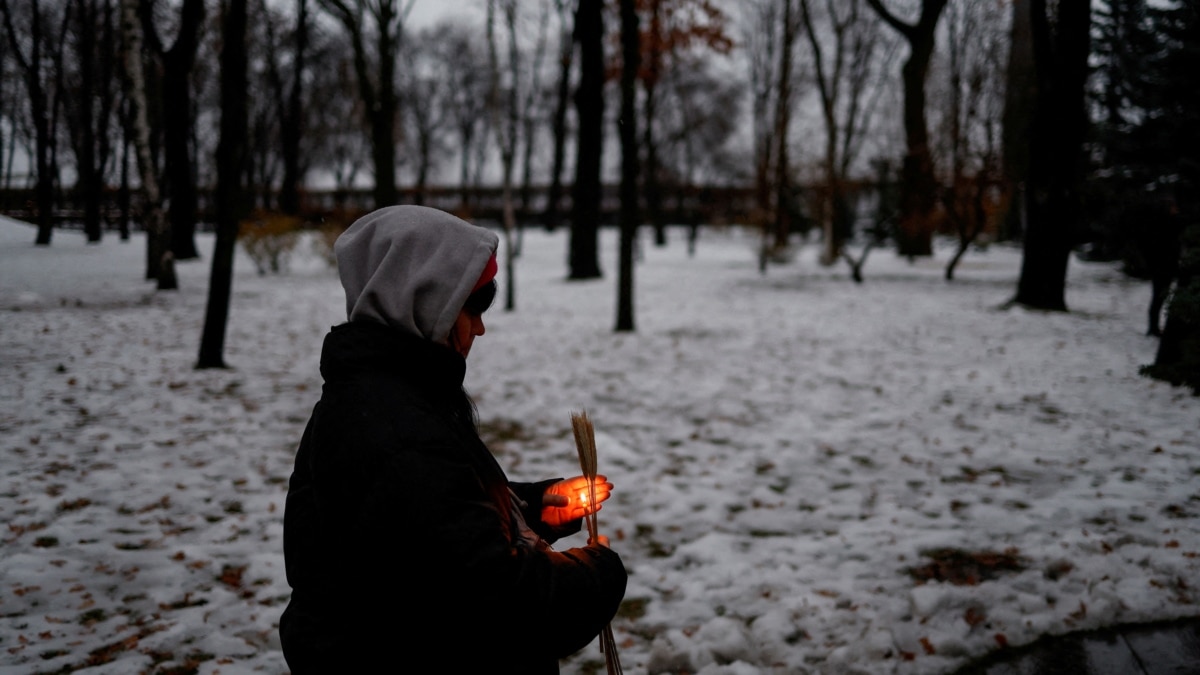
406,547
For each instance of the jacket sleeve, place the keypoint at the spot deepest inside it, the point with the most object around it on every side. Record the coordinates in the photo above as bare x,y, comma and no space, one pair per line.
509,594
531,494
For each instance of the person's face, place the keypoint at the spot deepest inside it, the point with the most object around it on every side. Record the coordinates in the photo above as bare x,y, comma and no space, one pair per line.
466,328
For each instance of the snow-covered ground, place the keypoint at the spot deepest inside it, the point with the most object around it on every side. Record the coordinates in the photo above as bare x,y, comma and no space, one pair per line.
792,453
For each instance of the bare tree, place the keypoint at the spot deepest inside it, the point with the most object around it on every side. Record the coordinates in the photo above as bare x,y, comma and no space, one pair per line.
676,29
334,139
566,58
177,120
583,258
9,100
971,121
89,100
918,181
696,122
1060,48
782,225
465,72
289,96
506,130
846,50
425,107
33,48
565,12
153,220
230,194
375,72
761,40
627,130
1019,93
532,112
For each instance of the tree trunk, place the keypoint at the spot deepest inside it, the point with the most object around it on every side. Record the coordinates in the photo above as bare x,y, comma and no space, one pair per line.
291,119
584,261
783,117
566,57
230,195
123,192
160,262
31,67
1019,95
627,129
1056,138
506,133
178,123
652,187
918,185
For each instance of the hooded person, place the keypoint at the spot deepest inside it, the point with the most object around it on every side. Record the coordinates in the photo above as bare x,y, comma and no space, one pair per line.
407,548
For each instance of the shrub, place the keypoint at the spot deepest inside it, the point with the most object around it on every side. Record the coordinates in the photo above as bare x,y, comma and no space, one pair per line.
269,238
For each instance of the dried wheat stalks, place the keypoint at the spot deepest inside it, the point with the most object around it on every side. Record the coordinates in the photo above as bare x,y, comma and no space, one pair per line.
585,443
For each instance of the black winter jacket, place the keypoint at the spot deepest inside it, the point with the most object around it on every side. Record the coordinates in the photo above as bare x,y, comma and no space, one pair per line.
399,539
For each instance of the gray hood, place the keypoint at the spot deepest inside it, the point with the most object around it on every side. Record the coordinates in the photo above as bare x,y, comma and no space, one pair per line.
411,268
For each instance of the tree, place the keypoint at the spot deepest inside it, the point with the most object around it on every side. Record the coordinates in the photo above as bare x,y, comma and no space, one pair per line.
32,49
1171,134
918,183
1019,93
761,41
425,108
334,136
782,229
562,99
230,194
465,72
675,28
532,112
160,261
1057,131
289,104
843,83
506,132
583,259
89,101
627,129
178,121
971,121
375,72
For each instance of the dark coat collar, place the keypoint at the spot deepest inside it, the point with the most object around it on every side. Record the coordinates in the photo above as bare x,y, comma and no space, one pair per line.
364,347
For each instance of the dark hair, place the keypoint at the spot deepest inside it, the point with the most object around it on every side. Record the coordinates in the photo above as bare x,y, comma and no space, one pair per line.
478,302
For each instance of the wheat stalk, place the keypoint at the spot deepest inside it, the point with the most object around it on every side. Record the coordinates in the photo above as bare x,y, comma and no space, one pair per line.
585,443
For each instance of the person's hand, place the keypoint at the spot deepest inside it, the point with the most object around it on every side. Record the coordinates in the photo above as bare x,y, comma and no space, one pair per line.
571,499
599,540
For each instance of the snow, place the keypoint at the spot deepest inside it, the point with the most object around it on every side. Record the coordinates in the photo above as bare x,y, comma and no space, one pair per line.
785,449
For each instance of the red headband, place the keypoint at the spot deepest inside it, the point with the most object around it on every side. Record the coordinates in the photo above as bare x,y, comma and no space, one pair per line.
489,273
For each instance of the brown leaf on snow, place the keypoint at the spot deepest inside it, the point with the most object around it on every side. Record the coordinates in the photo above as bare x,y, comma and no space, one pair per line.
231,576
974,616
966,568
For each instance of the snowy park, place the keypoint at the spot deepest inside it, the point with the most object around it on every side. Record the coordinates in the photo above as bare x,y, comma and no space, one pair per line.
812,475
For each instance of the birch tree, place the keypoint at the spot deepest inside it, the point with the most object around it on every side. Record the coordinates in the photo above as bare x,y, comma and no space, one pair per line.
160,261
